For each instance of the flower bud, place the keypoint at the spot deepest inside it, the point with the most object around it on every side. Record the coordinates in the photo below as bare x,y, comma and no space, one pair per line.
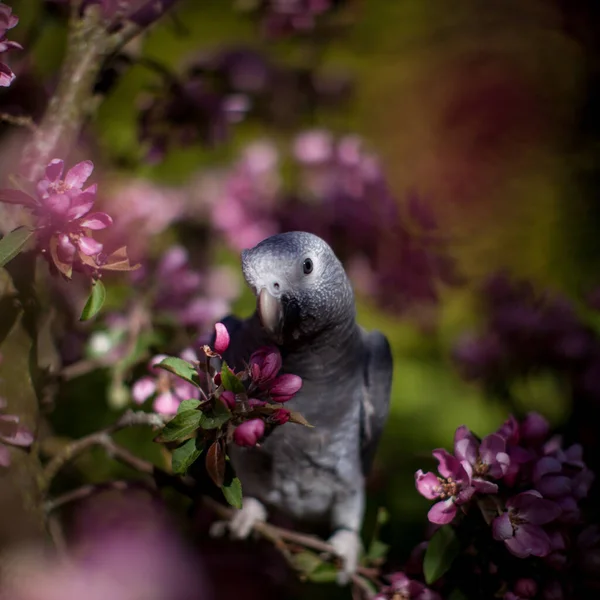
265,363
221,338
228,398
281,416
217,379
248,433
284,387
255,402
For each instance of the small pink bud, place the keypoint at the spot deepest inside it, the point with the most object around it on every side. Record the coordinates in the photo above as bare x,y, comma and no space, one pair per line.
281,416
221,338
248,433
284,387
265,363
228,398
217,379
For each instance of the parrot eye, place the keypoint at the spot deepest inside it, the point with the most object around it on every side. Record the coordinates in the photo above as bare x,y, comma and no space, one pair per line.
307,266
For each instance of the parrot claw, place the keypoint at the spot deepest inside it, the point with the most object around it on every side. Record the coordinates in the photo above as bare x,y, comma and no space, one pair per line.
347,546
242,523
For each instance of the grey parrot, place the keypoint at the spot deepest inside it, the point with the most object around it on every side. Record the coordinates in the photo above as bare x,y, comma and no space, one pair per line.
305,306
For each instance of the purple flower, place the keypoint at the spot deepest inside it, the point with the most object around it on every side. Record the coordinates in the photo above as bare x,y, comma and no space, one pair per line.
221,338
488,459
407,589
168,389
284,387
519,526
64,221
265,363
7,21
452,489
249,432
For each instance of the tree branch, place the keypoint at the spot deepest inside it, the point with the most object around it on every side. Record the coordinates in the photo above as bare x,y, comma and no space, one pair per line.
103,438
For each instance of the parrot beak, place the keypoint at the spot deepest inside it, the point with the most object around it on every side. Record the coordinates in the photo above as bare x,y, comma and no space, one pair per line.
270,313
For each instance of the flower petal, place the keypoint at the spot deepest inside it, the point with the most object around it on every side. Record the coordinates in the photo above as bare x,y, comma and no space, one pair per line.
89,246
78,174
428,484
491,446
81,205
166,403
96,221
142,389
502,528
554,486
534,539
21,437
65,248
450,466
55,169
546,465
484,487
59,204
465,445
442,513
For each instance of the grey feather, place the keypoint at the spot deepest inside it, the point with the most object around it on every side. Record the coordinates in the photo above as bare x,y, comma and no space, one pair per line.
377,393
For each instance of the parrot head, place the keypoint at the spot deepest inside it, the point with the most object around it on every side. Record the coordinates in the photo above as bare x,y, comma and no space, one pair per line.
300,285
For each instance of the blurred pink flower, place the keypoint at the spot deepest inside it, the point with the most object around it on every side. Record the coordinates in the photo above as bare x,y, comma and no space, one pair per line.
7,21
124,549
168,389
64,222
143,210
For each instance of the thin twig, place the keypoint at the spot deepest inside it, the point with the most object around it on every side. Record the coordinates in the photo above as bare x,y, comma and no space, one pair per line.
103,438
26,122
92,489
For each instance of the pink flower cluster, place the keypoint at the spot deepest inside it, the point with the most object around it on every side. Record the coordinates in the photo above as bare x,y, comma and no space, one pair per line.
538,485
521,488
7,21
65,221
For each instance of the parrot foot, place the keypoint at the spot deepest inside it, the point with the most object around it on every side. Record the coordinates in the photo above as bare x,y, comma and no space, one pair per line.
242,523
347,546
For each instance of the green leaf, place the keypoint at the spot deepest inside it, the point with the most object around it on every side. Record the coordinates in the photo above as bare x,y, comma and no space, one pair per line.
188,405
441,551
95,301
181,368
181,426
377,550
184,456
324,573
216,417
307,562
230,381
12,243
232,487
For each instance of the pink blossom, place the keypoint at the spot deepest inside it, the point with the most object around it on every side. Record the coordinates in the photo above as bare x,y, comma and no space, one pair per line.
7,21
488,459
452,489
65,223
249,432
12,433
519,526
280,416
